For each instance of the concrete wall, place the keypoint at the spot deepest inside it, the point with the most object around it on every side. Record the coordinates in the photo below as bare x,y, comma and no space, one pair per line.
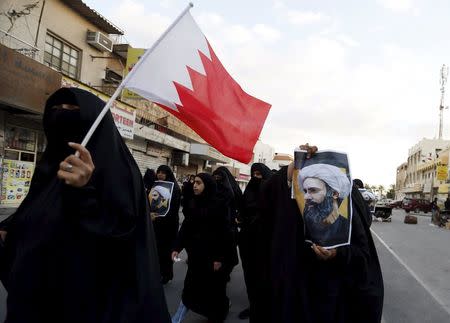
63,22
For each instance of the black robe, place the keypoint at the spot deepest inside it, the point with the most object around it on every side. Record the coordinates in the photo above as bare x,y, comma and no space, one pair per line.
84,254
302,288
166,227
226,197
249,225
281,294
367,294
187,193
205,236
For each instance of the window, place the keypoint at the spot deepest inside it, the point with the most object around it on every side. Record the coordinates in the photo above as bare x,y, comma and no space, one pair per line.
62,56
18,138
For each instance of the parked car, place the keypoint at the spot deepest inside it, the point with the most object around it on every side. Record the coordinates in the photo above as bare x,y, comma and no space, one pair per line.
416,205
396,204
384,202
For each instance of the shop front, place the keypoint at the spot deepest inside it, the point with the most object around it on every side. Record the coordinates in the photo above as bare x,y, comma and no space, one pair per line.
25,86
203,157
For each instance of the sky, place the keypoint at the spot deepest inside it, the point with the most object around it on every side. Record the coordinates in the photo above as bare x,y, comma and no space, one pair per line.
360,77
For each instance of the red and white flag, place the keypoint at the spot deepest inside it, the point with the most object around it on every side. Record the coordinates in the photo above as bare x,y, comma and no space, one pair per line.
182,74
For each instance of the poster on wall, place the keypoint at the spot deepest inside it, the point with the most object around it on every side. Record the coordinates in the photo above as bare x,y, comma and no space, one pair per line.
16,180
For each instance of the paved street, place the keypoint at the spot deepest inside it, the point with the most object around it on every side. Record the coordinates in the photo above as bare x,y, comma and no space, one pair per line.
416,265
236,293
416,278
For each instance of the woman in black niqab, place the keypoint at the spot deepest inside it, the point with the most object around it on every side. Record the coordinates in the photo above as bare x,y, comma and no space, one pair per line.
166,227
248,235
226,201
83,254
237,192
295,285
205,236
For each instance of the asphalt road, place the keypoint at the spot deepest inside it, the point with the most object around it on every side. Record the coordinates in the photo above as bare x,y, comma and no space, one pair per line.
415,260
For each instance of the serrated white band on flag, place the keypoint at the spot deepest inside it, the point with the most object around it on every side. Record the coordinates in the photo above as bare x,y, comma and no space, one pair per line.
168,63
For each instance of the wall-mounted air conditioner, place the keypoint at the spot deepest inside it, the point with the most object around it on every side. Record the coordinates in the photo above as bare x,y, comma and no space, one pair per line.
99,41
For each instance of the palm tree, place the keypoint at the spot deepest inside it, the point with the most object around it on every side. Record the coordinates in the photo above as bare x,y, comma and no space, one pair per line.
381,189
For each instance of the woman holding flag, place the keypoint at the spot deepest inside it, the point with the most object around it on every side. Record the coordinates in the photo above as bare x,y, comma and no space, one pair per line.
81,247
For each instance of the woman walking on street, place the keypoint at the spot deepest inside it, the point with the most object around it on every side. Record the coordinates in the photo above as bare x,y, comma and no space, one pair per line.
205,236
166,227
248,236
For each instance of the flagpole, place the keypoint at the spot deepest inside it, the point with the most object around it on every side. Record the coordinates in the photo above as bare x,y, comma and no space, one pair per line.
124,82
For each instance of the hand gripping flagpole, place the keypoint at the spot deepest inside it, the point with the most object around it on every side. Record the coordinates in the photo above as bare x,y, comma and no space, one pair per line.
124,82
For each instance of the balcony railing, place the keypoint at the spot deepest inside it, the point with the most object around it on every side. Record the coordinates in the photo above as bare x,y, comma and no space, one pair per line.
19,45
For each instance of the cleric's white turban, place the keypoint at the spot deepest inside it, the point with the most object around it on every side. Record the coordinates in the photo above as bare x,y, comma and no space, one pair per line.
164,192
330,174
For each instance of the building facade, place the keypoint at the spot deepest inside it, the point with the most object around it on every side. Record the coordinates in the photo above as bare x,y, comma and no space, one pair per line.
425,174
45,45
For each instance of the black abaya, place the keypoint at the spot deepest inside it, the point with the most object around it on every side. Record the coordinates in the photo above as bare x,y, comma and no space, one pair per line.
166,227
301,288
248,235
205,236
281,294
226,198
83,254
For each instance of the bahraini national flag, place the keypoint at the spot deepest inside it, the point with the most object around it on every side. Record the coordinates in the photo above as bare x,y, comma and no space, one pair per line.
182,74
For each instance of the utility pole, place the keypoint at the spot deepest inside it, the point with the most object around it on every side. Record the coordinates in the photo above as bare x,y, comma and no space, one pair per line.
443,81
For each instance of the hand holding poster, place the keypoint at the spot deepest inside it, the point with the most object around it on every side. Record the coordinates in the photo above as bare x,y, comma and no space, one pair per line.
159,197
322,188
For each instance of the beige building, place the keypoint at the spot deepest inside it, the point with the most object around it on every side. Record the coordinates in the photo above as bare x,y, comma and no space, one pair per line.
400,182
281,160
45,45
418,177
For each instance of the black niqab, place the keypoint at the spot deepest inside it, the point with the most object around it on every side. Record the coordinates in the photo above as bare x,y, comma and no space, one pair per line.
224,189
237,192
83,254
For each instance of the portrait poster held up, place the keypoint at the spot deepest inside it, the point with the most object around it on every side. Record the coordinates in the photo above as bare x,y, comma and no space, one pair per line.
321,188
160,197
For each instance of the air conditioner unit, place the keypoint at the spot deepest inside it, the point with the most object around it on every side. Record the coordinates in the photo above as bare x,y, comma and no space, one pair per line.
99,41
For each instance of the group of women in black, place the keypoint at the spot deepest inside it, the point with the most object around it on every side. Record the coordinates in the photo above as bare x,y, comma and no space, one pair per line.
82,246
286,280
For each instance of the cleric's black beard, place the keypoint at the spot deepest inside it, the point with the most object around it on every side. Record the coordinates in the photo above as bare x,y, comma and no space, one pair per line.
317,213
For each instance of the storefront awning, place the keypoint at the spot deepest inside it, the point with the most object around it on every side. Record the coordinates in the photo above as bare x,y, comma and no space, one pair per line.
206,152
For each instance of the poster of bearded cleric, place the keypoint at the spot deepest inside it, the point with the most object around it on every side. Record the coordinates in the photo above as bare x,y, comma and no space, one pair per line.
159,198
322,187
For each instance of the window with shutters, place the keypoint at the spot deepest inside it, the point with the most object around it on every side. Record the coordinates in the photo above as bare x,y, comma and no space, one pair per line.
62,56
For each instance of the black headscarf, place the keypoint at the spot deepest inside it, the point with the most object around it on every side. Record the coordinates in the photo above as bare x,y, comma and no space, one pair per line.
170,177
251,197
209,194
263,169
149,178
83,254
254,183
237,192
224,189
